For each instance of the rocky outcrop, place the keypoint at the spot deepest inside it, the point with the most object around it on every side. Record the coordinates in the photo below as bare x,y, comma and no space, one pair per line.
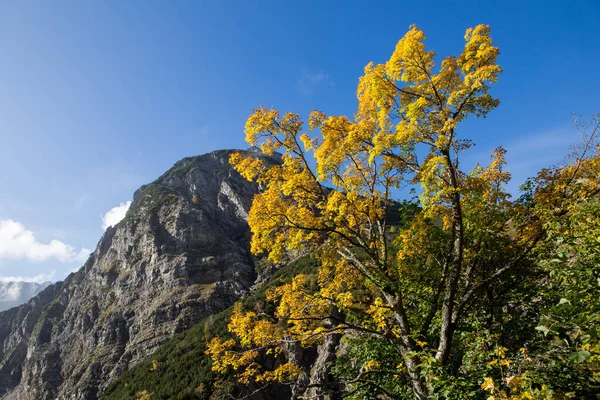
16,326
180,254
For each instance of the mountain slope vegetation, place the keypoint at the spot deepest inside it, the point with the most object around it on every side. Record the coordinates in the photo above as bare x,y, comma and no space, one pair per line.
180,369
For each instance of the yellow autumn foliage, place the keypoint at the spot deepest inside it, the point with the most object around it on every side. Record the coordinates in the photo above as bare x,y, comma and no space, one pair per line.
333,194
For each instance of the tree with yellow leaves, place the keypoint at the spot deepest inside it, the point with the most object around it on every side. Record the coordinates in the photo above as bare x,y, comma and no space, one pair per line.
409,283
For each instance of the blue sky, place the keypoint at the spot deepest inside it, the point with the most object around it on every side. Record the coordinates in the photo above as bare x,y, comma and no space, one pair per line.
100,97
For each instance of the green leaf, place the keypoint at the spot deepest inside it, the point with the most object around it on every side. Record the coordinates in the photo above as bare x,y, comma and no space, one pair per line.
563,301
584,338
584,353
542,328
579,356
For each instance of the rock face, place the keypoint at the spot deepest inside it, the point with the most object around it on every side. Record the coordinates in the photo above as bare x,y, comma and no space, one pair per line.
13,294
180,254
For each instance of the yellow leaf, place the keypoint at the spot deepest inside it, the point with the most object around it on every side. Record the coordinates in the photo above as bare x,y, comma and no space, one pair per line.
488,384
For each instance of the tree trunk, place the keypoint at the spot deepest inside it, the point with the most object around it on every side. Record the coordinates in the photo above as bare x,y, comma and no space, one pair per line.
416,380
448,325
408,348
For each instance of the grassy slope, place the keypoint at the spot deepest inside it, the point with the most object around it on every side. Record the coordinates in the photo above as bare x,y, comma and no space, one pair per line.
182,364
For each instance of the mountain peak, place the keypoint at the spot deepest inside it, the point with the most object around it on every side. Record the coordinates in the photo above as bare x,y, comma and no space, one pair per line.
15,293
180,254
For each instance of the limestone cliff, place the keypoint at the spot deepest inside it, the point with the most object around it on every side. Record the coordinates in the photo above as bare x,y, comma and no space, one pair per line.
180,254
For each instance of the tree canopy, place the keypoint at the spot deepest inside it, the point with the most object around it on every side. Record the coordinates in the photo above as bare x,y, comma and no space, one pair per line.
423,288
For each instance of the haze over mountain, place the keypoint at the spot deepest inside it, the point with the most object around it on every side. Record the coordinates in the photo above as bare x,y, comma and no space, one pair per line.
14,293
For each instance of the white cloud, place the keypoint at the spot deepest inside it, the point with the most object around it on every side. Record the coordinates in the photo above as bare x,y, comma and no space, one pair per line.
309,81
40,278
79,201
544,146
203,131
531,153
528,154
115,215
17,243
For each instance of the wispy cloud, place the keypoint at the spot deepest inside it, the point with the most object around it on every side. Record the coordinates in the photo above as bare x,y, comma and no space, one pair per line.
527,155
115,215
203,131
37,279
310,80
17,243
551,139
79,201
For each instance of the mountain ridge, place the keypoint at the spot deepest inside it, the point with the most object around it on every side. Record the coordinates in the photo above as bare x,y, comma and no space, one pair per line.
180,254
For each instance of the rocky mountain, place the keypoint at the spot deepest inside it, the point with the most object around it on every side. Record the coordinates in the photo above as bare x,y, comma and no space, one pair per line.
14,293
180,370
180,254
